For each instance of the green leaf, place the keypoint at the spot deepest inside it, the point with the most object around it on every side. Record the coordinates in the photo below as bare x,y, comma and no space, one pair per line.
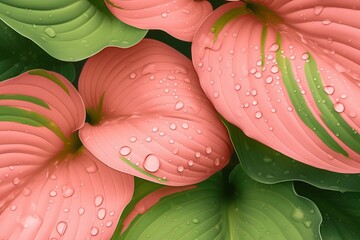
266,165
340,211
224,207
68,30
19,54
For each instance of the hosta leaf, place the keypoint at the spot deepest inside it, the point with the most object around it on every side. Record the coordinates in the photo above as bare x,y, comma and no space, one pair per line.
269,166
265,73
39,111
222,208
19,55
68,30
77,198
179,18
149,116
340,211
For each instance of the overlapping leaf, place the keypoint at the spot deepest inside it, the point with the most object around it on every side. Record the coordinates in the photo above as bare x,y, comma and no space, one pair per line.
179,18
340,211
68,30
220,208
149,115
266,165
265,74
51,187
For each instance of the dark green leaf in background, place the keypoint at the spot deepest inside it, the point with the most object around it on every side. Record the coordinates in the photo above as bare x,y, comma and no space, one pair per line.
266,165
19,54
224,207
340,211
68,30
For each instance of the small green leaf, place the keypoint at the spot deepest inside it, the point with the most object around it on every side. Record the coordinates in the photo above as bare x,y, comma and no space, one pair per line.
68,30
224,207
19,54
340,211
269,166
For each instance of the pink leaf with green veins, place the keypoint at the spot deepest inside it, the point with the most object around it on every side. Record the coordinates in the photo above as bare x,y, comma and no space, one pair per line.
51,187
179,18
267,72
150,117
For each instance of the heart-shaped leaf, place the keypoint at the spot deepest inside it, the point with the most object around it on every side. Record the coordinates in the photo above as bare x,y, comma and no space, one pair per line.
150,117
340,211
286,73
68,30
266,165
15,60
51,186
221,208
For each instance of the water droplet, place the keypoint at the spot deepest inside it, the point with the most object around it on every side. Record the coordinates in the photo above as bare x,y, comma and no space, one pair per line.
13,208
132,75
164,15
16,181
50,32
305,56
185,125
253,92
151,163
195,221
253,70
101,213
190,163
180,169
109,223
297,214
133,139
61,227
339,107
208,150
67,191
216,94
81,211
217,162
53,177
258,115
53,193
155,129
148,139
175,151
94,231
92,168
326,21
187,80
329,89
274,47
197,154
172,126
237,87
125,150
258,75
179,105
269,79
27,191
318,10
98,200
274,69
307,223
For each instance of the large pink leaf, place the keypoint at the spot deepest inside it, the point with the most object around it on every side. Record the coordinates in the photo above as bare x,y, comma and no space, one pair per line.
288,77
179,18
50,186
39,111
150,116
77,198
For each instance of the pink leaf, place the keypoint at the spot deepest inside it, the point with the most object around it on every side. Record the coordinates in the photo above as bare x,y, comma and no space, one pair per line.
150,116
276,75
76,198
39,111
179,18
